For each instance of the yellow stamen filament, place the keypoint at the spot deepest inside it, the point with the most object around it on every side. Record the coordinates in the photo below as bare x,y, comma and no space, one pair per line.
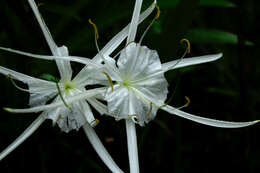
188,44
150,110
186,104
9,77
110,81
155,18
158,11
95,28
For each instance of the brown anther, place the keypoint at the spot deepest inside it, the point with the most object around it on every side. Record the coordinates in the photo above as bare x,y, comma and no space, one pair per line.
150,110
110,81
188,44
95,28
188,101
158,11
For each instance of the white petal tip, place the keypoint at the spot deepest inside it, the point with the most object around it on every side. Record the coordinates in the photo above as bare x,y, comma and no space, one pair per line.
219,55
8,110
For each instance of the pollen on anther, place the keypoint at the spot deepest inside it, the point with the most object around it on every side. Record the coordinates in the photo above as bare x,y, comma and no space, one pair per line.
94,123
150,110
158,11
188,44
95,28
188,101
110,81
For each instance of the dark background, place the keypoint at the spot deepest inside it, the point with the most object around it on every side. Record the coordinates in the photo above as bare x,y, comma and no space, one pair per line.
227,89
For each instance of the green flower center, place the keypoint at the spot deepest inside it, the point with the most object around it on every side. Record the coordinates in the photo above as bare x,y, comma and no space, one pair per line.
126,83
68,86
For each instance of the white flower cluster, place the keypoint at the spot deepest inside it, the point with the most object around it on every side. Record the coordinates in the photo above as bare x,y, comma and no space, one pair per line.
134,88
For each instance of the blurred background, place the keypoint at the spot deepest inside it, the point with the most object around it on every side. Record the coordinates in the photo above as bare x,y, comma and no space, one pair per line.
227,89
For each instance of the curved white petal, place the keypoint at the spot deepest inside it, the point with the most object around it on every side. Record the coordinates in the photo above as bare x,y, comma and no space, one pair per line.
89,76
40,90
190,61
139,62
63,66
83,95
70,119
78,59
202,120
86,111
134,21
44,28
207,121
100,149
23,78
132,146
40,98
118,102
100,107
124,103
34,126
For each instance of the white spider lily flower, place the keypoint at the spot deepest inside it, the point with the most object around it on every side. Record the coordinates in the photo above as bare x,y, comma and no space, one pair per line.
68,115
82,78
141,88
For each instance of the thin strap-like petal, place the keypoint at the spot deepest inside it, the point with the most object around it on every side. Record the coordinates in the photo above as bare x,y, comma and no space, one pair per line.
207,121
134,21
100,149
78,59
44,28
34,126
63,66
83,95
190,61
117,40
198,119
132,146
22,77
100,107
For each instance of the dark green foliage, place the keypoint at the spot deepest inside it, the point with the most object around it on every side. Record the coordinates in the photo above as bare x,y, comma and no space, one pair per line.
49,77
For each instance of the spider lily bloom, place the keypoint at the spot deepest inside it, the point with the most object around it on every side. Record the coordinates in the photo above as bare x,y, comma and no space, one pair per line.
81,78
140,88
67,114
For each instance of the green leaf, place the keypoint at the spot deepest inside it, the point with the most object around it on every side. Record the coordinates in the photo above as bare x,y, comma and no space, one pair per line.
157,27
208,3
213,36
222,91
168,4
217,3
49,77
